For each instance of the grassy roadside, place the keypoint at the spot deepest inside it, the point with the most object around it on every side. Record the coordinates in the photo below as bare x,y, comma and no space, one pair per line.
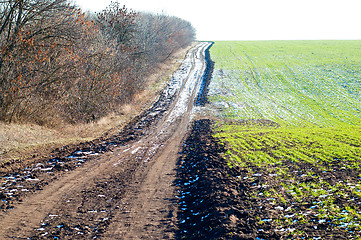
23,141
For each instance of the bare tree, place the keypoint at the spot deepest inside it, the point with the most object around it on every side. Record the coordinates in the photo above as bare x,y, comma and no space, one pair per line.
160,35
37,44
56,62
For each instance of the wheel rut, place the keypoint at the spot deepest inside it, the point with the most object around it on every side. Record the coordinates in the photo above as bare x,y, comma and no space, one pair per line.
125,190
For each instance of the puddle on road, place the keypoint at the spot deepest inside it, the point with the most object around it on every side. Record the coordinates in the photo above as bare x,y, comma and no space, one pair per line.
15,186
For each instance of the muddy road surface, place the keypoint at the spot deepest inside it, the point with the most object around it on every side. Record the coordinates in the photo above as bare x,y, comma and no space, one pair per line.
116,188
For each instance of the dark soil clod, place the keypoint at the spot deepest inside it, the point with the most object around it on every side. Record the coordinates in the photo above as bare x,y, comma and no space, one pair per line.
213,202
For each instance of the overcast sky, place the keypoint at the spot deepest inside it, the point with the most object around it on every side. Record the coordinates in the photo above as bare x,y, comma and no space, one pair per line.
256,19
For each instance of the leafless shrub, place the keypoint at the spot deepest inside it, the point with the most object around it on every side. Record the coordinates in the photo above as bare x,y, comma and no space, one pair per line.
57,63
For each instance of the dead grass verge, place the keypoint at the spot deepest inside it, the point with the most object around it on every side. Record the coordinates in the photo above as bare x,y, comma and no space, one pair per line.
19,142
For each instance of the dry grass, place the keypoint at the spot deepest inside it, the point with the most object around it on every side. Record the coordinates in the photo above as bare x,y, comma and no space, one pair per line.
21,141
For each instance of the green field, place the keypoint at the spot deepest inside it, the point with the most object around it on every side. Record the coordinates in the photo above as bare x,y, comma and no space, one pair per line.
302,83
289,114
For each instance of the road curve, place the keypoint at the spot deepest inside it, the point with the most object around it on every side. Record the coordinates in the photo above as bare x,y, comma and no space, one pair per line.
126,193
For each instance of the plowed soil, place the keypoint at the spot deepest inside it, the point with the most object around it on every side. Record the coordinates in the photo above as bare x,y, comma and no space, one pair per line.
213,203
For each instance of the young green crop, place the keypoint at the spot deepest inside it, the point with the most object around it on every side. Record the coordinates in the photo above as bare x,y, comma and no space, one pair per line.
295,128
301,83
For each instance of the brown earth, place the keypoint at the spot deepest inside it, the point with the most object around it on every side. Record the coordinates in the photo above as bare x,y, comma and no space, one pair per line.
213,202
119,187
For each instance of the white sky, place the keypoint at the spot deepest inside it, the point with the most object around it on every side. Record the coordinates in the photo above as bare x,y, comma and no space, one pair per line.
256,19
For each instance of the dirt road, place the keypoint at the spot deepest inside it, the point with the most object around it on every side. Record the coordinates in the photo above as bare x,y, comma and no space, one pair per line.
122,188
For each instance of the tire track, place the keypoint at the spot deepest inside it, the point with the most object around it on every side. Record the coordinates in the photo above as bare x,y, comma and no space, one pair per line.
124,193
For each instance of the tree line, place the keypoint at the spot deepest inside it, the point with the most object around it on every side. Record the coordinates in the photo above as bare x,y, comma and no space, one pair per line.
58,63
